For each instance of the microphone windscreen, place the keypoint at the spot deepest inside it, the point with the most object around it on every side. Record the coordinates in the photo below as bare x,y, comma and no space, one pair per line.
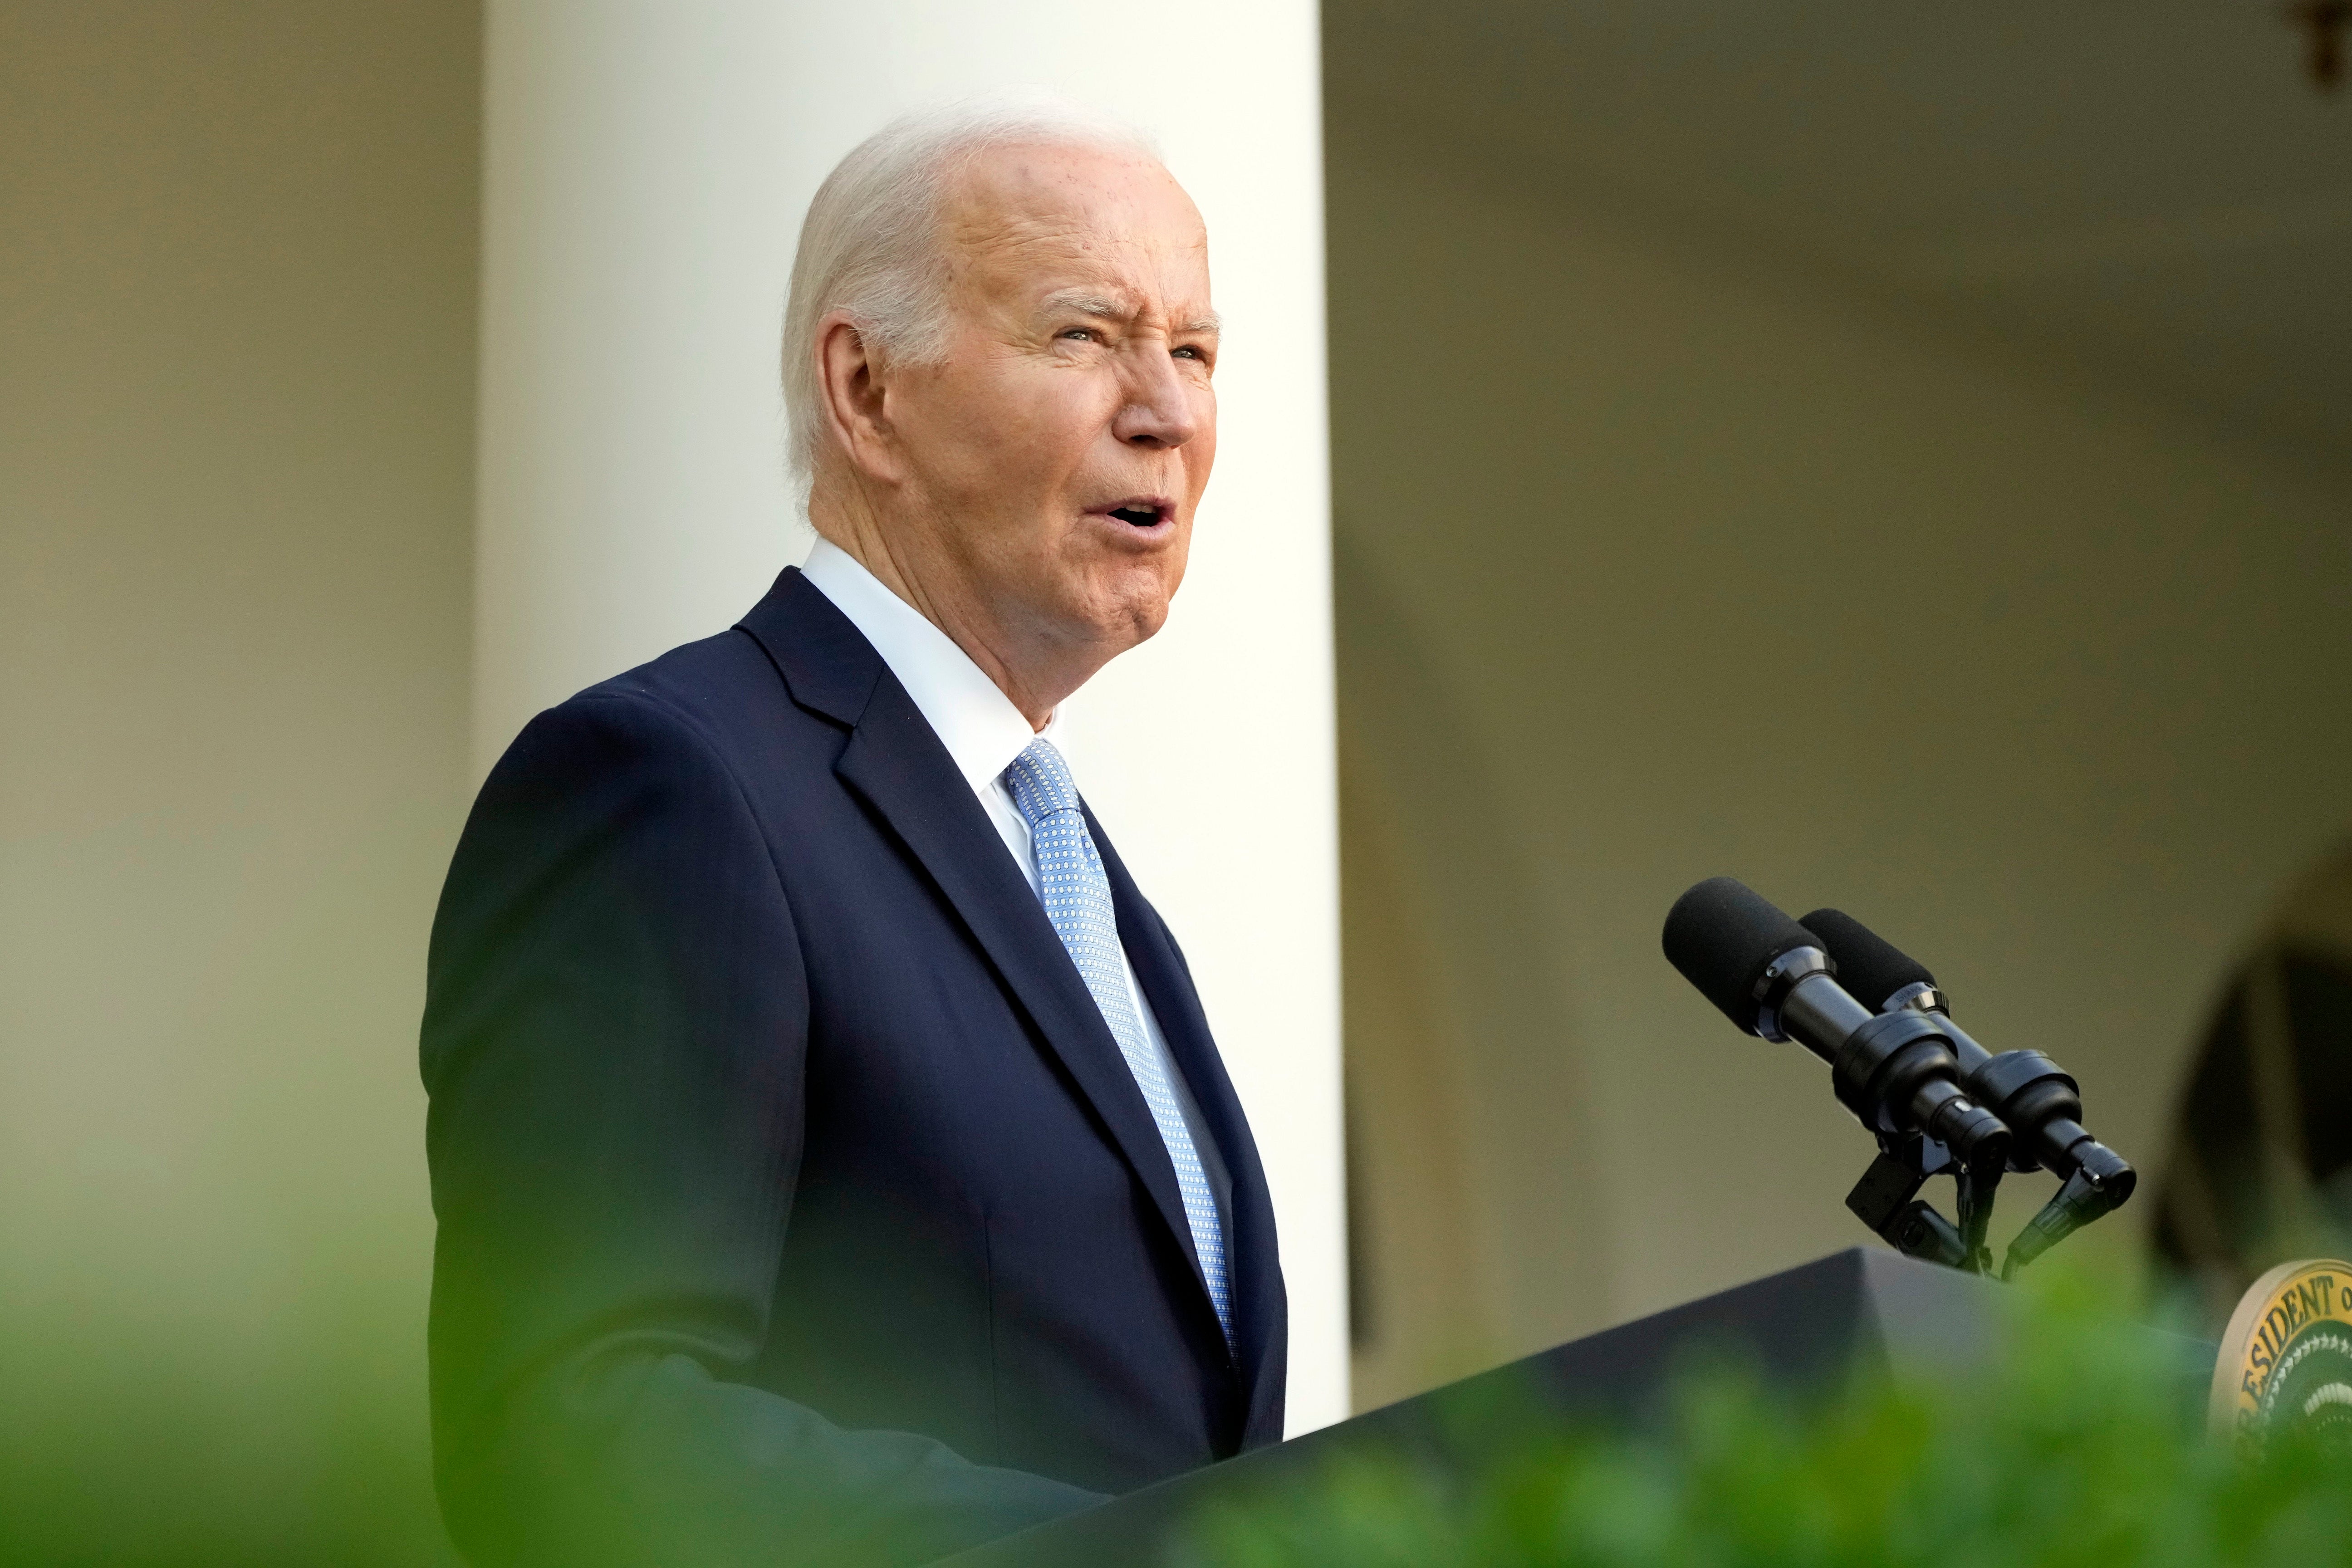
1722,936
1870,967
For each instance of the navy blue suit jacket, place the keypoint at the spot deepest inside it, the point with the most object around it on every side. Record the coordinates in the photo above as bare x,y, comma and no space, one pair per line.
795,1203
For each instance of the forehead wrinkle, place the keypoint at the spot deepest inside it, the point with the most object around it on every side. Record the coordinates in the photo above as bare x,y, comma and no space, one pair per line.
1016,242
988,237
978,226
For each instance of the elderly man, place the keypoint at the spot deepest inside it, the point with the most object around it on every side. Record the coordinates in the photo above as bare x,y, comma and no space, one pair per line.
832,1160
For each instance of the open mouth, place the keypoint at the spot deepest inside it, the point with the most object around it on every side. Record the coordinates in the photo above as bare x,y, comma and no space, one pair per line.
1141,511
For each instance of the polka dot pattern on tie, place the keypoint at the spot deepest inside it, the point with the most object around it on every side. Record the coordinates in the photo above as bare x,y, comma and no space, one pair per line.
1077,902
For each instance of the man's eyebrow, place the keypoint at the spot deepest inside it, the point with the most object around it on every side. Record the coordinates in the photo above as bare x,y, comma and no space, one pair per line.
1087,302
1105,307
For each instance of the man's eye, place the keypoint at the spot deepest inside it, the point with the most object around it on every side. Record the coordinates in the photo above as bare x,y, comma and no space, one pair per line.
1079,334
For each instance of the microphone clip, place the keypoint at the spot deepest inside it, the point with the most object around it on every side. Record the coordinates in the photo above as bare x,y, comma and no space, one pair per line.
1886,1200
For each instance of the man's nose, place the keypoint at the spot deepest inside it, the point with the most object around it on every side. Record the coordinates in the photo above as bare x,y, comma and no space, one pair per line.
1157,411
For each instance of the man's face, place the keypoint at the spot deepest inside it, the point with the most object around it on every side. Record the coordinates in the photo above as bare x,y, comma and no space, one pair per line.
1055,456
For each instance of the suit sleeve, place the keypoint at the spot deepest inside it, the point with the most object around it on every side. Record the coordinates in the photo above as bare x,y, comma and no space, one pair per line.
614,1034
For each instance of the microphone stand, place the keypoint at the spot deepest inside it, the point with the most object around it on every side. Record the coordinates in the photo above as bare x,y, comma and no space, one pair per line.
2080,1199
1886,1200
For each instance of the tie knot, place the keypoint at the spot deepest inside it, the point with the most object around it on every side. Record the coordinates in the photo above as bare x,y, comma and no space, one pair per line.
1041,781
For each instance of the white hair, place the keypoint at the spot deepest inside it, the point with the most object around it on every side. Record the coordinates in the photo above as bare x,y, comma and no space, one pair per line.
870,244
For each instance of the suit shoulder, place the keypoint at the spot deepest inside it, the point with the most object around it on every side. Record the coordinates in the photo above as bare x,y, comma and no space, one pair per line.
652,763
719,696
715,685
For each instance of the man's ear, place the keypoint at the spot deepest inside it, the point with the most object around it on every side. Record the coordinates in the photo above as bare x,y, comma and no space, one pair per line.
850,385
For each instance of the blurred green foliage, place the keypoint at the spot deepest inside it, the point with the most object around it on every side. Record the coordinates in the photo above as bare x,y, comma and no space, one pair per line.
2081,1444
2078,1446
171,1450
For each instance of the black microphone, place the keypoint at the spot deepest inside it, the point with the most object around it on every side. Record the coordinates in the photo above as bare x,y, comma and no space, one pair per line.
1896,1072
2040,1101
1879,974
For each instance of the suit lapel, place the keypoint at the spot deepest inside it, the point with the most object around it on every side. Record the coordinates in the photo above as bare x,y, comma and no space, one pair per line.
1260,1307
895,762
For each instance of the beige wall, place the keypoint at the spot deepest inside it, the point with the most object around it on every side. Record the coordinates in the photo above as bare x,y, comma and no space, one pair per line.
236,367
1656,564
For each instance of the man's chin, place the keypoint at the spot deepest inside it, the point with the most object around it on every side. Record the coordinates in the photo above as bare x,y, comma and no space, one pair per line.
1116,616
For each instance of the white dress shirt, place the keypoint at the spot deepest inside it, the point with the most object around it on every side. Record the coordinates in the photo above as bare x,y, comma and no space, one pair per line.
983,732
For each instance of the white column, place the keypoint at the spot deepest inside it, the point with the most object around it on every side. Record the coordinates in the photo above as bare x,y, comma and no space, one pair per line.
645,168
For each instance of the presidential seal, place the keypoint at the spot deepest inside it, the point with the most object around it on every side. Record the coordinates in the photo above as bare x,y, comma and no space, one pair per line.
2286,1360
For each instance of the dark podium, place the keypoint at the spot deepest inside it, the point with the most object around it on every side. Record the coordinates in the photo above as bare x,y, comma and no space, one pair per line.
1807,1329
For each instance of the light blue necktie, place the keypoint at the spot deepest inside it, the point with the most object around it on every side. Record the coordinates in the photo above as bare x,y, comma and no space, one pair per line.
1077,901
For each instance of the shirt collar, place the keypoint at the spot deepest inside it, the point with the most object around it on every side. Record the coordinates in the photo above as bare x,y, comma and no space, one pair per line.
973,719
